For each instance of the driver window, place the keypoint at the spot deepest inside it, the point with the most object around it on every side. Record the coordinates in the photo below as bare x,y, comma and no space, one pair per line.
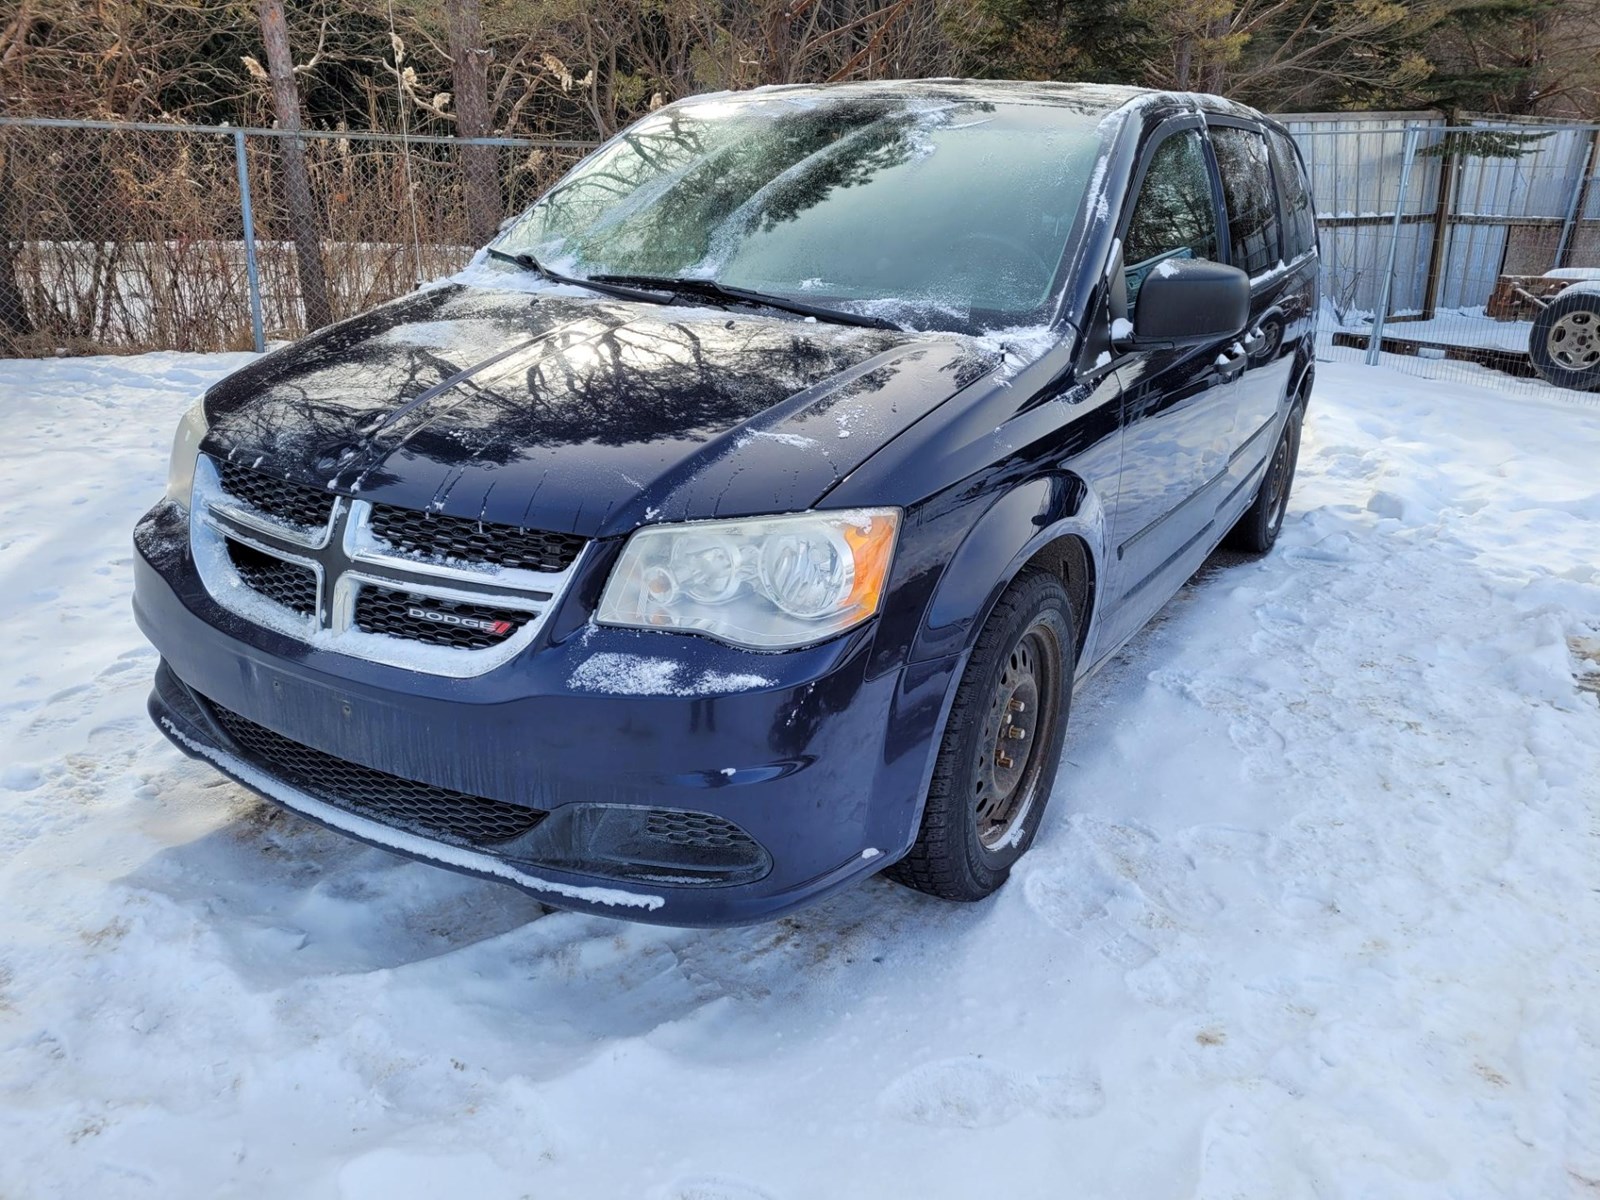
1174,216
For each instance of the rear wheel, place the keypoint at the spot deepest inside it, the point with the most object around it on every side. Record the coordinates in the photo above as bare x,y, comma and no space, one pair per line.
1001,747
1257,530
1565,342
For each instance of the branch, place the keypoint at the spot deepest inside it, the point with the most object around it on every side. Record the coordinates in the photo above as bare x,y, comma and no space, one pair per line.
15,36
508,75
406,80
322,36
888,14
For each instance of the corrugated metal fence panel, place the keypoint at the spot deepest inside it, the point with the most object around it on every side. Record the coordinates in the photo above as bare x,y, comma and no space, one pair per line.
1473,254
1354,260
1537,183
1515,203
1356,162
1497,194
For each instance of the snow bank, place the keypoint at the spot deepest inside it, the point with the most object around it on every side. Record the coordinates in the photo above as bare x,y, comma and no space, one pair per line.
1313,912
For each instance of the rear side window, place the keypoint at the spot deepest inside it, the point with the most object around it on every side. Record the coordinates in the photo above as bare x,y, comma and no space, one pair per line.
1299,234
1174,216
1252,206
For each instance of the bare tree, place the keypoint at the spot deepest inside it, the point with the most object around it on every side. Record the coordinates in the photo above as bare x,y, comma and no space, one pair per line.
303,225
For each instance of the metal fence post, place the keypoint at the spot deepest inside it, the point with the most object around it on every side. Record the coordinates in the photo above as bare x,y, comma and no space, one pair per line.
1580,196
1375,341
248,214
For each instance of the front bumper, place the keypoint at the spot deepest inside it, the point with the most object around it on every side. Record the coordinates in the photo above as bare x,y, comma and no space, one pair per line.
821,763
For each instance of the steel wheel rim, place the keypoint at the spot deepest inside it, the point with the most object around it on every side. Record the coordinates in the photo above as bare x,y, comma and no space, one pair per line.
1574,341
1278,480
1010,759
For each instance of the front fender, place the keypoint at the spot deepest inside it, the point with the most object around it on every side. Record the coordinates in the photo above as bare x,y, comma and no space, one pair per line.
1016,527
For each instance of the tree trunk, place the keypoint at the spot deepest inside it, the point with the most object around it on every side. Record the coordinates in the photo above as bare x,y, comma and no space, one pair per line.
1216,43
1182,60
14,319
469,71
297,182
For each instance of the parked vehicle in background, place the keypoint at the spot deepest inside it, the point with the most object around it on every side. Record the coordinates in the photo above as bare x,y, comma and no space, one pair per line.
739,526
1564,343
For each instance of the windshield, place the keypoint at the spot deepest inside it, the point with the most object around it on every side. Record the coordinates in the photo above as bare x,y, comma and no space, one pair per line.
933,213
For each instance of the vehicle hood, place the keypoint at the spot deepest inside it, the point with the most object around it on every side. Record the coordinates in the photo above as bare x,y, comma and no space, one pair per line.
580,415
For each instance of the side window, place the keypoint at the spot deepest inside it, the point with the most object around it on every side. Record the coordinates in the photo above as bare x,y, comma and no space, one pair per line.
1299,234
1252,206
1174,216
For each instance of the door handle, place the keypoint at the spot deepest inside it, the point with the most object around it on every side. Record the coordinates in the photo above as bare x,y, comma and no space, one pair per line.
1255,341
1232,361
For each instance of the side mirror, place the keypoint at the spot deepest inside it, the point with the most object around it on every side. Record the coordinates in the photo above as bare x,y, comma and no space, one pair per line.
1185,301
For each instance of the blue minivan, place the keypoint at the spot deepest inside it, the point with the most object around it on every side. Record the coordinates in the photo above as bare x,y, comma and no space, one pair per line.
738,523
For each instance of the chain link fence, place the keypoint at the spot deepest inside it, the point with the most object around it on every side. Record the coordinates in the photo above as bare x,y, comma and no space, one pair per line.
1442,242
124,238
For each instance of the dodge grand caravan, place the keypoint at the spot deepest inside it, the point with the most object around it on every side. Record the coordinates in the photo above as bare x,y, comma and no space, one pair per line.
738,523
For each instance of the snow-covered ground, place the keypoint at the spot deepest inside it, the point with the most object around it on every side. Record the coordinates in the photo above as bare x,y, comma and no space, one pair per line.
1315,911
1469,327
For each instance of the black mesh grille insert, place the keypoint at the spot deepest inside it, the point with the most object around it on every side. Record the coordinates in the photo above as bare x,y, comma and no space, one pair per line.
290,584
455,623
695,829
437,536
293,503
420,808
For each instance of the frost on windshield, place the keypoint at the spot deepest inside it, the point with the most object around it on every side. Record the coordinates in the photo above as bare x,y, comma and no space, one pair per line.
936,212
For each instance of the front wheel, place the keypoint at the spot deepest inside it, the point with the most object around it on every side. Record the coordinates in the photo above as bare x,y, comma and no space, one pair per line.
1257,530
1001,747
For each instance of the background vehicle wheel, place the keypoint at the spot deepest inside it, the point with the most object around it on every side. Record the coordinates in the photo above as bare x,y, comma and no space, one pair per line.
1001,747
1257,530
1565,342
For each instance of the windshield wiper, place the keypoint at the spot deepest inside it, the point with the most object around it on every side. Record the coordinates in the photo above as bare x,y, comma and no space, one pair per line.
655,289
710,289
528,261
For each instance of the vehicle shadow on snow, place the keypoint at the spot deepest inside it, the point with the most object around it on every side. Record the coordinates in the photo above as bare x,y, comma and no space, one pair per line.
291,902
291,898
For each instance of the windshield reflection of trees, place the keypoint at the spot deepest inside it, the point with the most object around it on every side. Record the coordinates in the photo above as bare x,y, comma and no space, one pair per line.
686,187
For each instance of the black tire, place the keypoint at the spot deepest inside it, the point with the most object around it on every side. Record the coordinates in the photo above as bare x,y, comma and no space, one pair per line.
1257,530
974,828
1565,343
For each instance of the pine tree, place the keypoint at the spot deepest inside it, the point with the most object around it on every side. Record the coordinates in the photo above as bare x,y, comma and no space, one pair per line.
1518,57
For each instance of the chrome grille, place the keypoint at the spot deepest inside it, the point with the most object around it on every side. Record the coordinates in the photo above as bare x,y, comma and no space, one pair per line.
281,581
431,593
291,503
455,538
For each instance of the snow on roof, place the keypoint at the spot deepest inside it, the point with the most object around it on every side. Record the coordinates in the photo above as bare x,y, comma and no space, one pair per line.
1089,98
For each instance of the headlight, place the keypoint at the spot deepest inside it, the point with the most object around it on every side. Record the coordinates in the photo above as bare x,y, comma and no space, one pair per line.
769,583
185,449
